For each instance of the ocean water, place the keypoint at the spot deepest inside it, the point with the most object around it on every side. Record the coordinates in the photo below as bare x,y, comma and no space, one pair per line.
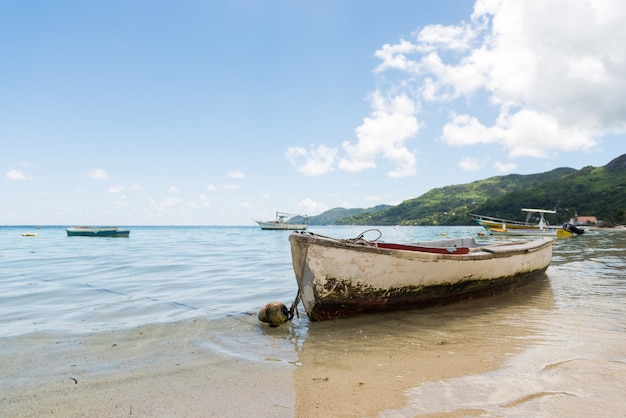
52,282
556,348
158,274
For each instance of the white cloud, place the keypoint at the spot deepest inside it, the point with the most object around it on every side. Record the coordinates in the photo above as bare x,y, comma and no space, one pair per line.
470,164
535,86
15,175
317,160
211,187
383,134
536,134
116,189
467,130
394,56
173,189
457,38
392,122
97,174
236,174
524,134
587,69
553,86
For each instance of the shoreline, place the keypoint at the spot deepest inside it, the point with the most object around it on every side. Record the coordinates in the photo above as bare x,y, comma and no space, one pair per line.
193,368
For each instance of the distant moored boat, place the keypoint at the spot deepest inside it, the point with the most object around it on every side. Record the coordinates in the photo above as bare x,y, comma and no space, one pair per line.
97,231
281,223
500,226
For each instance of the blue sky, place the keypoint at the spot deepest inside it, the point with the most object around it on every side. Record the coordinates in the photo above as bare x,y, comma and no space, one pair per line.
223,112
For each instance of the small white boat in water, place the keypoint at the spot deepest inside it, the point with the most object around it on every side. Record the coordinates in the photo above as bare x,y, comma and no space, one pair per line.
345,277
282,223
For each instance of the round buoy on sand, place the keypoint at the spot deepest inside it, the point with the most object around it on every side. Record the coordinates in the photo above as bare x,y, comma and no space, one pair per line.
274,313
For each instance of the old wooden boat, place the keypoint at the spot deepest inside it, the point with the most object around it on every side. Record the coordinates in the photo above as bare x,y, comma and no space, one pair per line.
282,223
344,277
97,231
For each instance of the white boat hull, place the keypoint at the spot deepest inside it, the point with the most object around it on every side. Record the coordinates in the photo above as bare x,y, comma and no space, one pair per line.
518,232
281,223
281,226
336,279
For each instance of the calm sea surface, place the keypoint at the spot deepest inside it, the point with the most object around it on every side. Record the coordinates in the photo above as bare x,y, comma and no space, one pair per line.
572,324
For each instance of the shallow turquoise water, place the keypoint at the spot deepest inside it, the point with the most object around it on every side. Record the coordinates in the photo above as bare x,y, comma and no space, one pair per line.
159,274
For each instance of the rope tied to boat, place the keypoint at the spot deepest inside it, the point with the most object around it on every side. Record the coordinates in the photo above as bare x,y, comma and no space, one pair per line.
360,239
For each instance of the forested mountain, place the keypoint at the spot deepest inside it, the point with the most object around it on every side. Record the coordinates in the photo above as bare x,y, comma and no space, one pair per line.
332,216
590,191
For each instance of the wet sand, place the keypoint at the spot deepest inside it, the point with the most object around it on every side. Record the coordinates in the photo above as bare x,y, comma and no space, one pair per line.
150,371
240,367
451,361
146,373
370,369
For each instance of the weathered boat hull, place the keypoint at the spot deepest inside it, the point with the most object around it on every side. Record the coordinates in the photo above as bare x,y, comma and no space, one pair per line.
338,279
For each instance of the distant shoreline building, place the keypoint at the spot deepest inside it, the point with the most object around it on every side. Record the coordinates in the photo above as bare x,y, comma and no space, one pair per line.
583,220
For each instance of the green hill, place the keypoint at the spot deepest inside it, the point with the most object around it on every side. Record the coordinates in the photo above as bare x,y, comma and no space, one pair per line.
591,191
332,216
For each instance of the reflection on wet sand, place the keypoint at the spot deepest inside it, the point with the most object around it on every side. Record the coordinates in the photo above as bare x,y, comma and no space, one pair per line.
361,366
575,362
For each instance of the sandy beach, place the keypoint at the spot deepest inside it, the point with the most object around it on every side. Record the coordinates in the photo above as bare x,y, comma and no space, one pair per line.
513,355
82,377
349,368
151,371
